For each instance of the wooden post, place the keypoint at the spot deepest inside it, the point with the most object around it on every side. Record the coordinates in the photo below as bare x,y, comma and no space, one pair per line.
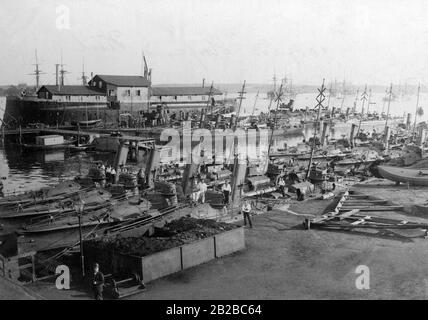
33,268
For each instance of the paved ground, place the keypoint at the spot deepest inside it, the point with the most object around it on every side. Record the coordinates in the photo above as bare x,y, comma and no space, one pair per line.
283,261
12,291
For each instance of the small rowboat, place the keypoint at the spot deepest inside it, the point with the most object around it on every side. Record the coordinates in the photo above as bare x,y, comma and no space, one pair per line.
88,123
415,177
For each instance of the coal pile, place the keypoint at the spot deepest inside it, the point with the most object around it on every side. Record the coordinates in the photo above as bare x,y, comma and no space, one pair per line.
173,234
189,229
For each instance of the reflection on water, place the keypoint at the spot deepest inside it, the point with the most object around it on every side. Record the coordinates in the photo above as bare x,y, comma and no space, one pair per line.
28,170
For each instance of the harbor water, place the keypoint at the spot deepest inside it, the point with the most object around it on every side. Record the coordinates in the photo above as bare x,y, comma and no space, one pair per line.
22,170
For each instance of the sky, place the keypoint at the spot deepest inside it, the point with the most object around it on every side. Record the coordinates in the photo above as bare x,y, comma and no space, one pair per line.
225,41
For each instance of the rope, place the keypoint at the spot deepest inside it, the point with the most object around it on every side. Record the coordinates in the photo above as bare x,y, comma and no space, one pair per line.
63,252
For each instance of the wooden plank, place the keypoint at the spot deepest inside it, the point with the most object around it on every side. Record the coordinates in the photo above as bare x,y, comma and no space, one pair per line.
366,201
348,214
374,208
396,208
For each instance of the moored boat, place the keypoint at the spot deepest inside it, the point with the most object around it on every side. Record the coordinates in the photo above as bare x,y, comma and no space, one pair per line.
415,177
88,123
49,142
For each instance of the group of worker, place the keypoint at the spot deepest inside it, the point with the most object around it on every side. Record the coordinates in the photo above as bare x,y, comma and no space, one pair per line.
199,191
109,172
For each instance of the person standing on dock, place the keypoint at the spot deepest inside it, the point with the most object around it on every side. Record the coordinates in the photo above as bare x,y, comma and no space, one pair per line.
113,175
203,187
141,179
281,186
108,173
194,195
98,282
246,211
226,189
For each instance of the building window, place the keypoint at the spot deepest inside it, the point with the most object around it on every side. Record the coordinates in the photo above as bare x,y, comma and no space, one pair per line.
138,93
203,97
190,97
175,97
128,93
100,84
160,98
94,84
111,93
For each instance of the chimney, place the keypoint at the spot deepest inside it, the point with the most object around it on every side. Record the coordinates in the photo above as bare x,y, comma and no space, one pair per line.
203,83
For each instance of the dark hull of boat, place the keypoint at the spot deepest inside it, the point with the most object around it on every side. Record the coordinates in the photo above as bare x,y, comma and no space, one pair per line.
47,148
404,175
54,228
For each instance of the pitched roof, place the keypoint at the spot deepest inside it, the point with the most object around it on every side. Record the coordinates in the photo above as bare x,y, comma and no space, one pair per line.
125,81
184,91
72,90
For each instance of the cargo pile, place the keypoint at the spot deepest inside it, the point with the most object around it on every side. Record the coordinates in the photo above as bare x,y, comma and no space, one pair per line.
174,234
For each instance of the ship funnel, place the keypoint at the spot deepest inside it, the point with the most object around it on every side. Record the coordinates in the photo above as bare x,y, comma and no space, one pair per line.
57,75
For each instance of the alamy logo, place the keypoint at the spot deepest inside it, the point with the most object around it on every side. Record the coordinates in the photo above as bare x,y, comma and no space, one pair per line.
363,280
62,21
198,146
63,280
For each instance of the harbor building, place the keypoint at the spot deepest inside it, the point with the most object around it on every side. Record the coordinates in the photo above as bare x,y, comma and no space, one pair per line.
185,98
127,93
71,94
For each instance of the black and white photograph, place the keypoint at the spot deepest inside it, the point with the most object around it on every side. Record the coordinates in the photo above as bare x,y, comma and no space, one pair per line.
230,152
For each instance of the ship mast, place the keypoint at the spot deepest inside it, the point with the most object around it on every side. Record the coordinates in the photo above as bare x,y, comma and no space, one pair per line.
255,102
320,99
278,100
235,124
389,104
369,101
355,101
62,72
84,77
272,96
417,106
209,97
37,72
329,95
363,99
